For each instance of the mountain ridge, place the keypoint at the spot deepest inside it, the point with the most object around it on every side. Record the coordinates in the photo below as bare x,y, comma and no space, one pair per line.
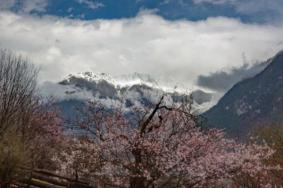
252,102
135,90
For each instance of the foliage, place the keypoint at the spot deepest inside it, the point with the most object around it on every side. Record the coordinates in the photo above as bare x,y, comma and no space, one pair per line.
29,129
272,135
12,154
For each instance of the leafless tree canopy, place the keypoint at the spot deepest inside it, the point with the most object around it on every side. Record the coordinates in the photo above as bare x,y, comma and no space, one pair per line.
17,89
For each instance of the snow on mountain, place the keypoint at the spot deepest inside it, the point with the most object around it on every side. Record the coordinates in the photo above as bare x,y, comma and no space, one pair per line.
136,79
123,91
93,77
118,81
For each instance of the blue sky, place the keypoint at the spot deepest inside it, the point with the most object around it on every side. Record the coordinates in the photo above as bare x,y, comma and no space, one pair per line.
176,41
258,11
115,9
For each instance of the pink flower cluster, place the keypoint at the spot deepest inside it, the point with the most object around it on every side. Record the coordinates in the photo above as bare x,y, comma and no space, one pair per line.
170,148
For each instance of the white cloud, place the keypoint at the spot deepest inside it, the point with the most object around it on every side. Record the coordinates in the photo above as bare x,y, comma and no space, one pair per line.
91,4
61,92
174,50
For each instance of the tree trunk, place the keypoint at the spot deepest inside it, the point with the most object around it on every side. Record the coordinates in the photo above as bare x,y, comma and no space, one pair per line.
4,185
137,182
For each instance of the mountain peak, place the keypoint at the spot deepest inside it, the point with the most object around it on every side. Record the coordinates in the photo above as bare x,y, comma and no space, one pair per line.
137,79
91,76
125,80
279,53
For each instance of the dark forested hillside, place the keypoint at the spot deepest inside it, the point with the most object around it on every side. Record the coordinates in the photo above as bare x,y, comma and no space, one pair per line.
251,102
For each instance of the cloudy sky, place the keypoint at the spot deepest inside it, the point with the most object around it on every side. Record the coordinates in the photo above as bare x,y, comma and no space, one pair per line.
188,42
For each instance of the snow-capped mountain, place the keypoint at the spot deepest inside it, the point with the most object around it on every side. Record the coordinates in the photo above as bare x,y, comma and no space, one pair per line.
117,81
124,91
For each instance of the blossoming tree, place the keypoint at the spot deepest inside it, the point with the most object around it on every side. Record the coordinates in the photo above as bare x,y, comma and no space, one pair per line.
163,148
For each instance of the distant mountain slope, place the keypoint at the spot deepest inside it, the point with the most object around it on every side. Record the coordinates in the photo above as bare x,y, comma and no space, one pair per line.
254,101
